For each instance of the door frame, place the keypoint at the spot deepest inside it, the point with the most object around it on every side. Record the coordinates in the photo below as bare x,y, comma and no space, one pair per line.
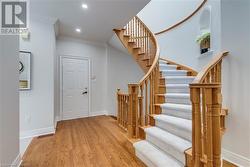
61,81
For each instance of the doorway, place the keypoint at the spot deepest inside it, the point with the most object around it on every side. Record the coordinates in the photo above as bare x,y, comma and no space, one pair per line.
75,87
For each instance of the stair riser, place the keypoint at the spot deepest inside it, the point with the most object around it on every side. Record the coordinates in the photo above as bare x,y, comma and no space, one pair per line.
166,148
179,81
160,99
178,90
162,81
165,74
174,130
162,90
177,113
177,100
162,68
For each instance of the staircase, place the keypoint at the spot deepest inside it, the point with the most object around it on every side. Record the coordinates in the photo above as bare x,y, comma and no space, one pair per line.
173,116
166,142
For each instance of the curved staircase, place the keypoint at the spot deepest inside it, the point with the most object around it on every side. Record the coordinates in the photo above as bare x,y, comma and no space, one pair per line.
174,112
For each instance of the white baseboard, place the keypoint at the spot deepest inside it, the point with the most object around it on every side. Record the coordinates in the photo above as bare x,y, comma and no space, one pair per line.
27,136
17,162
236,159
97,113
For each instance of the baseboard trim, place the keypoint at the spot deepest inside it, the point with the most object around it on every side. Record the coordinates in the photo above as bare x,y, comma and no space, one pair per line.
236,159
97,113
18,161
37,132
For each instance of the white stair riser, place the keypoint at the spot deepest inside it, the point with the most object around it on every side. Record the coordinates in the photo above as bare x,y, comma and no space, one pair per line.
177,113
144,159
173,73
179,80
167,67
174,130
177,100
178,90
180,156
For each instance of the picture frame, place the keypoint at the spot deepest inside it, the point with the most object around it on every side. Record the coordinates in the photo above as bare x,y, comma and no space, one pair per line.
24,70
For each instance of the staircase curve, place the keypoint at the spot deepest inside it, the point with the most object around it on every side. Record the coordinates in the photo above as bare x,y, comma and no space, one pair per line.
173,112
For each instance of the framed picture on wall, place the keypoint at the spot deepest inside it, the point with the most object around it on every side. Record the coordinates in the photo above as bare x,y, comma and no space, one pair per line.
24,70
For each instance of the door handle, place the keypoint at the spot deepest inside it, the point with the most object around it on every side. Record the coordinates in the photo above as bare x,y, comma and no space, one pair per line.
86,92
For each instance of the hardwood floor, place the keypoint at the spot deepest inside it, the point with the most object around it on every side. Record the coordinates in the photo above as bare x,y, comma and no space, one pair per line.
87,142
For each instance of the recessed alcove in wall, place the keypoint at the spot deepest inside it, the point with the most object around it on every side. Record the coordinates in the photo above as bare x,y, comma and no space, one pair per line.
204,38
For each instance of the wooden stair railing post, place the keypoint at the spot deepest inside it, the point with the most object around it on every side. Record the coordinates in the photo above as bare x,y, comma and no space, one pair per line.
118,107
133,129
196,127
216,111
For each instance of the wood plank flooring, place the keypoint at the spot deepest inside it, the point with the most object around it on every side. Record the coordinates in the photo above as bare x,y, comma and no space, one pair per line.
87,142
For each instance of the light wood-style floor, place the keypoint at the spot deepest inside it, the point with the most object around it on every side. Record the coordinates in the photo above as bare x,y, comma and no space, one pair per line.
87,142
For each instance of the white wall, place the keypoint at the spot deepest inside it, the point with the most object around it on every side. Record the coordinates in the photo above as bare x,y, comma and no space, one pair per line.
37,104
122,70
9,101
180,44
97,54
236,80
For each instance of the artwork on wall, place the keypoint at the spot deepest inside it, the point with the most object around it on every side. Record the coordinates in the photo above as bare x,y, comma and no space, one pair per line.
24,70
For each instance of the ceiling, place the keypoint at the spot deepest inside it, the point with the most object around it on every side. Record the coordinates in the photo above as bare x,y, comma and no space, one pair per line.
96,22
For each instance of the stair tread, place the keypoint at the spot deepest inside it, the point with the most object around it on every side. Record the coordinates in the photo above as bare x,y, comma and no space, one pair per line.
180,123
168,142
182,107
154,156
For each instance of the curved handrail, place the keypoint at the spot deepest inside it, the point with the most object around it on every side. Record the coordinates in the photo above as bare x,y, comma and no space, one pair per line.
184,20
157,54
184,67
203,73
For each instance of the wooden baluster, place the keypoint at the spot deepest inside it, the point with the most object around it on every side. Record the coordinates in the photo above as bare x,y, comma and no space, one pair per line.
133,110
146,103
142,116
118,106
219,71
204,120
150,95
196,127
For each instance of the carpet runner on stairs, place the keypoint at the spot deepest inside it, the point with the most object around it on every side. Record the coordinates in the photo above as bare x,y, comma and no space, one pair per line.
166,142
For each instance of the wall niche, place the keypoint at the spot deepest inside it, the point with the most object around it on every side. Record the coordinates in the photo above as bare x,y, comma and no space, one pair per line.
204,38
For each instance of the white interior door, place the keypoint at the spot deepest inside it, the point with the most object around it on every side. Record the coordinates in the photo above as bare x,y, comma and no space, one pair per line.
75,88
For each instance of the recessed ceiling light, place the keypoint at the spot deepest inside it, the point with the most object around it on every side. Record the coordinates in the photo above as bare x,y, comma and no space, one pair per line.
78,30
84,6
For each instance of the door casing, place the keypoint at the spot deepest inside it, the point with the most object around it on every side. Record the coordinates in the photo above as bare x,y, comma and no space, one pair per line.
61,82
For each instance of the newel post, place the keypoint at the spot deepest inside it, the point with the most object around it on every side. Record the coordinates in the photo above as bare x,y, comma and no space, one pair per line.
133,90
118,107
216,136
196,126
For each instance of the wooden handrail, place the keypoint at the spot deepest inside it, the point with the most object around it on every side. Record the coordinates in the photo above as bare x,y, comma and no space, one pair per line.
180,66
203,73
184,20
157,55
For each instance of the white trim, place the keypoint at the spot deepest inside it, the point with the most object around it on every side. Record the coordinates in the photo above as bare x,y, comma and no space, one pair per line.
17,162
98,113
236,159
61,83
37,132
